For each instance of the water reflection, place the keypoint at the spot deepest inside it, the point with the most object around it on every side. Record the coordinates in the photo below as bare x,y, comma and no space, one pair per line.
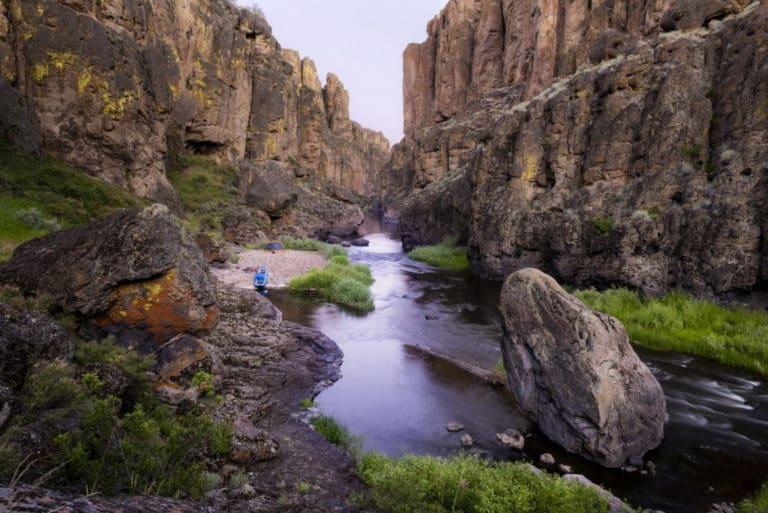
400,400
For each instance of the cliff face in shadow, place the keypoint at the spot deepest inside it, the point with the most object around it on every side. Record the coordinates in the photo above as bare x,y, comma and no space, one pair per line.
611,143
119,88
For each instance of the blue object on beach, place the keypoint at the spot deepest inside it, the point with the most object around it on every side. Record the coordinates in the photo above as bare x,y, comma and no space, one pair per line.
260,278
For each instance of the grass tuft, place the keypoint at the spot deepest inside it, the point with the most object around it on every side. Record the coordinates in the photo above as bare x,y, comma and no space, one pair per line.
756,504
467,484
603,224
735,337
444,256
338,434
338,282
302,244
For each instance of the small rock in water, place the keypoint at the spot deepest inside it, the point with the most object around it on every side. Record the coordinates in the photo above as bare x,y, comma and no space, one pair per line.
629,469
432,317
361,242
547,459
346,244
454,427
332,239
565,469
467,441
511,438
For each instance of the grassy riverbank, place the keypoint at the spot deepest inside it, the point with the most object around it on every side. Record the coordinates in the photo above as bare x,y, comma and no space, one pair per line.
445,256
756,504
414,484
735,337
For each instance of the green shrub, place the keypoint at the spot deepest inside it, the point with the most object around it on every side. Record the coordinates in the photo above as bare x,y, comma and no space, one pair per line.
306,403
756,504
338,434
444,256
603,224
205,380
338,282
466,484
693,151
676,322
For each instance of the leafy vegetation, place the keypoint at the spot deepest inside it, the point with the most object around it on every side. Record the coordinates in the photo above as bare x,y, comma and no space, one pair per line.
40,194
469,485
338,282
207,189
338,434
603,224
445,256
306,403
676,322
103,443
756,504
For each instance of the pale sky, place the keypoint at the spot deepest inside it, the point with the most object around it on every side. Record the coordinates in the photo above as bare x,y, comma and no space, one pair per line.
362,42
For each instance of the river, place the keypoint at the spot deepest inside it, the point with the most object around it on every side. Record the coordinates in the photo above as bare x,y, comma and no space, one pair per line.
400,399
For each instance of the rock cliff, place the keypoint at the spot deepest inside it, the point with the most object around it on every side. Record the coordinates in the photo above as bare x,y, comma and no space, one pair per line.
604,142
120,87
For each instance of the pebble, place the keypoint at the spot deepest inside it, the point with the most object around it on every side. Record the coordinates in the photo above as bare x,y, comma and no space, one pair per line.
454,427
547,459
467,441
565,469
511,438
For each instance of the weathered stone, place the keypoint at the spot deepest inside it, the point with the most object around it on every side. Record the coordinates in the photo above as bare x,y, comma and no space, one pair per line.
547,459
574,371
114,381
615,505
212,250
512,438
467,441
361,242
135,269
454,427
27,339
181,358
269,187
244,225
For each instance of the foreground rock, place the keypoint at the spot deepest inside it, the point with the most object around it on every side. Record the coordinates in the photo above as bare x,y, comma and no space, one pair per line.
574,371
132,273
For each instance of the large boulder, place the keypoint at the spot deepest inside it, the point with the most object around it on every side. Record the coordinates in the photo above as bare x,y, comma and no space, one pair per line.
135,270
269,186
574,371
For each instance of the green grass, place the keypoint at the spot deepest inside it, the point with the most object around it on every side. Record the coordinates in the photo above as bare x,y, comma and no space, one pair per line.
444,256
338,282
338,434
756,504
734,337
603,224
207,190
415,484
302,244
60,193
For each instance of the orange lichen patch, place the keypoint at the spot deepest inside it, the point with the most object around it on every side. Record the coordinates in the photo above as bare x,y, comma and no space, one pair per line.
163,307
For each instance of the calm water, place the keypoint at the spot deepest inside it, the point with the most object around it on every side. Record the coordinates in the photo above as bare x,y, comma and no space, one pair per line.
716,445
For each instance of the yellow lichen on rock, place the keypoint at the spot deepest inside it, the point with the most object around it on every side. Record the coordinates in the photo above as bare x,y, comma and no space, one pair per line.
531,166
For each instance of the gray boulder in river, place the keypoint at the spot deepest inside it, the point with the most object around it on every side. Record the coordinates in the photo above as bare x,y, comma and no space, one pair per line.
574,371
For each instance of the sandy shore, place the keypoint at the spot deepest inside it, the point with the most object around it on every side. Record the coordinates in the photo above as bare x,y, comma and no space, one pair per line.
282,266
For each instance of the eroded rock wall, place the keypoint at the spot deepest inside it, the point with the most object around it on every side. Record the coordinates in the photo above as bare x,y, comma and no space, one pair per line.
645,167
119,87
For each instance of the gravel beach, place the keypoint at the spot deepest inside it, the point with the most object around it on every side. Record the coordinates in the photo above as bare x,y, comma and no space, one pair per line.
282,266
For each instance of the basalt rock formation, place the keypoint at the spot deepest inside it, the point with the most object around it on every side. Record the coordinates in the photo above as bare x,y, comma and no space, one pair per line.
615,143
120,87
574,371
135,272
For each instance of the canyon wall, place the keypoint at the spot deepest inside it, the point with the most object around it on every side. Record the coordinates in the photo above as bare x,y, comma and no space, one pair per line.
615,143
120,87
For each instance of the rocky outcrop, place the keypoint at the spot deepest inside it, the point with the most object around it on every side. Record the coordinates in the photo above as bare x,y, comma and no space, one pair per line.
633,158
133,272
118,88
574,371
